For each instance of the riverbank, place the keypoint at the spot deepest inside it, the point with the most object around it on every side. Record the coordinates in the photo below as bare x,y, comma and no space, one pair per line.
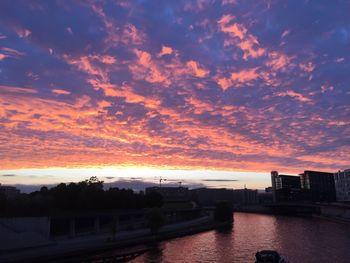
329,211
66,250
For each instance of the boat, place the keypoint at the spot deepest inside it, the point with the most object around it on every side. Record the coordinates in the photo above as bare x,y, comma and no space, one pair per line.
269,256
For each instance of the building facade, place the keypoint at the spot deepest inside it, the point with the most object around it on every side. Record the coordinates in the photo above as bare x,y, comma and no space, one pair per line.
171,194
342,185
319,186
245,196
211,196
9,191
285,188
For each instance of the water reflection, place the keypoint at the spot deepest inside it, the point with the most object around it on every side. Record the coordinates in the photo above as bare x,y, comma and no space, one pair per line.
298,239
155,254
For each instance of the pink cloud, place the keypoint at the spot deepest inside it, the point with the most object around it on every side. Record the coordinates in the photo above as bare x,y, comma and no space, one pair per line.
131,35
199,5
22,33
294,95
229,2
244,76
250,48
239,36
224,83
60,92
239,78
235,29
89,64
285,33
326,87
278,61
109,60
2,56
148,69
195,68
12,89
165,51
307,67
10,52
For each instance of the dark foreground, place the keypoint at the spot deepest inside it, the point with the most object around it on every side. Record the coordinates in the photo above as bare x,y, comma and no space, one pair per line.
299,240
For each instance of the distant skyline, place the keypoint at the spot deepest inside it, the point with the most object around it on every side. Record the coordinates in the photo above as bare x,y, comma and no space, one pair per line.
135,178
192,90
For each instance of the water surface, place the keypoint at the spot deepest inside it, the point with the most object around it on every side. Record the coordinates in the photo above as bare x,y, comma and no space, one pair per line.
300,240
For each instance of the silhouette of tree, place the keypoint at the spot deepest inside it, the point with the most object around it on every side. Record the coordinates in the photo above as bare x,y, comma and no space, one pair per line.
223,212
87,195
155,219
154,199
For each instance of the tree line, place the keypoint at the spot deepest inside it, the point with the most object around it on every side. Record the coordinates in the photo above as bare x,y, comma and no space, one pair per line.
87,195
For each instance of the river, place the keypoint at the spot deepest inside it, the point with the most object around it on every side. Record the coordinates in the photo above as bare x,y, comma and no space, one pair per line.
300,240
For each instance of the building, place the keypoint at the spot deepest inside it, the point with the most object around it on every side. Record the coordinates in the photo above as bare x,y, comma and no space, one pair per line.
319,186
342,185
268,189
9,191
266,197
245,196
171,194
211,196
285,187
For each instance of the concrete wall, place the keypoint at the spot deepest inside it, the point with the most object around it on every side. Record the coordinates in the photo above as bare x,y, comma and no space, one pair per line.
336,212
22,232
24,224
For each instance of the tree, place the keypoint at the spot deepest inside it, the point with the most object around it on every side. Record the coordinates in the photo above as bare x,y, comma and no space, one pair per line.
155,219
154,199
223,212
95,182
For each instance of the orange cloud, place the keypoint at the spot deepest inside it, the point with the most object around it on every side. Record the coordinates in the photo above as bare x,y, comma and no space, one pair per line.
60,92
235,29
165,51
2,56
132,36
197,71
240,37
146,68
278,61
89,64
293,94
12,89
224,83
244,76
239,78
250,49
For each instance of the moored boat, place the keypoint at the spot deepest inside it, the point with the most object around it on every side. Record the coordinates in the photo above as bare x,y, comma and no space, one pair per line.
269,256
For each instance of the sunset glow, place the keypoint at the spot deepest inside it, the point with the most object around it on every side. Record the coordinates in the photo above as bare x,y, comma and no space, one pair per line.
213,88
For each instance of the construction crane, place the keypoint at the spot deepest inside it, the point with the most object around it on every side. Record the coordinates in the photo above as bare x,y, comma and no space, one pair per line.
160,181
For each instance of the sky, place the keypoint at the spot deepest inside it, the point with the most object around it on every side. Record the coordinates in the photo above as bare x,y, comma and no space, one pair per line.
191,90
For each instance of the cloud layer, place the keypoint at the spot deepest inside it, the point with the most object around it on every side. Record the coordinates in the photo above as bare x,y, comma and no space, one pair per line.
227,85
